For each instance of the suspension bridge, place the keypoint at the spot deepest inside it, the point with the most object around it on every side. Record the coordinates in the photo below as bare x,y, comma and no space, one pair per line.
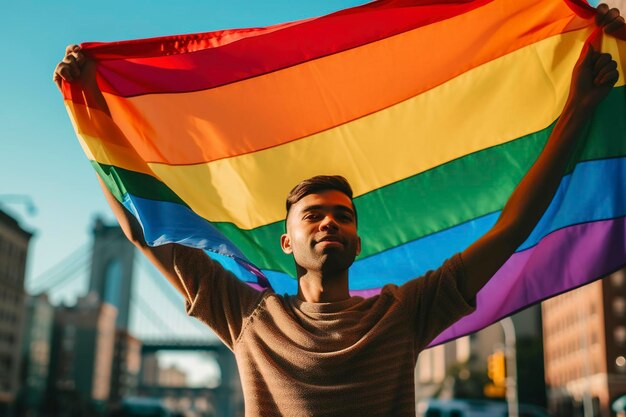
149,308
157,309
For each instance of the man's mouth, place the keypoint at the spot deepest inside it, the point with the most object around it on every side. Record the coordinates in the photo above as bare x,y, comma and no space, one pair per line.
329,240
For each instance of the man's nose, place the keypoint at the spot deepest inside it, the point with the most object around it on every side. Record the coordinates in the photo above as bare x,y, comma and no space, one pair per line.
328,223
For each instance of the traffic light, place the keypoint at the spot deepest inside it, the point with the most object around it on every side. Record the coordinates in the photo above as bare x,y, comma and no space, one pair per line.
496,368
496,371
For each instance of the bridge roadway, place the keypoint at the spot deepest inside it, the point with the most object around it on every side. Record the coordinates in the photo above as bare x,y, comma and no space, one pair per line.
225,400
200,400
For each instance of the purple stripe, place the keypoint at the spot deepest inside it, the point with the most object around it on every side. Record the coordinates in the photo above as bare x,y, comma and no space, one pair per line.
563,260
256,286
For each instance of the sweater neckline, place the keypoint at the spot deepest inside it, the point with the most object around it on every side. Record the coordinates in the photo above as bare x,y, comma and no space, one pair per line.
331,307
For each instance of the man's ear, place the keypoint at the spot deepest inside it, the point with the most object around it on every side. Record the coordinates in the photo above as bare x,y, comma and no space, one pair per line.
358,246
285,244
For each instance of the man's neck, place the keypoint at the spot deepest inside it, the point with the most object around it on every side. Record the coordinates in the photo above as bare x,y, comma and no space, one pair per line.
315,287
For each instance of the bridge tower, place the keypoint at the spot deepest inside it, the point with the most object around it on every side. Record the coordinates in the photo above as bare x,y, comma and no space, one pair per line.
112,269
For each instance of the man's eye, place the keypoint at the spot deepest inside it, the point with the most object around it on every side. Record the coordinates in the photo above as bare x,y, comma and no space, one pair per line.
312,216
345,217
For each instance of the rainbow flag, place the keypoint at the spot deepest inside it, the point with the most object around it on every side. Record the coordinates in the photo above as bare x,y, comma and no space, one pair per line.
433,110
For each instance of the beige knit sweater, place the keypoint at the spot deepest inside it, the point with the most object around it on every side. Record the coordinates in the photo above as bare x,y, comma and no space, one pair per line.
350,358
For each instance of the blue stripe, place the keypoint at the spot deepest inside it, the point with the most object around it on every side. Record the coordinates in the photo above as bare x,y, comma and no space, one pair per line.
595,190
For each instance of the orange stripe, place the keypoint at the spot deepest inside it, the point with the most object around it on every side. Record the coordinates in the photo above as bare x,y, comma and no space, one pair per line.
101,139
282,106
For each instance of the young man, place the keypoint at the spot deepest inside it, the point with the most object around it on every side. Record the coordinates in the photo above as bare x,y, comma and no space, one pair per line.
322,352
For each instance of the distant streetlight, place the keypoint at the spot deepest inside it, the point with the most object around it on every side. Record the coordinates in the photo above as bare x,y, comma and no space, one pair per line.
22,199
511,375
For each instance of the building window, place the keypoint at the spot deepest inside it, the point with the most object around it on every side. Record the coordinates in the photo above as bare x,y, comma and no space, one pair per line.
617,279
619,334
619,306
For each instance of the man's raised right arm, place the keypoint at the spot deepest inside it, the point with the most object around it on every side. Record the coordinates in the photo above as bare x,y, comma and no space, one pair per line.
75,67
161,256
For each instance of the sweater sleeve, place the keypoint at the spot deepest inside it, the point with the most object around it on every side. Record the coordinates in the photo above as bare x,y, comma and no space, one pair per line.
213,294
434,301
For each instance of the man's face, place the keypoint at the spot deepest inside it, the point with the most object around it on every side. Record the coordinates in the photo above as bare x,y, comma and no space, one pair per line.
321,232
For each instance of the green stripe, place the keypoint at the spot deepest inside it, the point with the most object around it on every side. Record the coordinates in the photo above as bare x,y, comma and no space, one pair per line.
420,205
121,181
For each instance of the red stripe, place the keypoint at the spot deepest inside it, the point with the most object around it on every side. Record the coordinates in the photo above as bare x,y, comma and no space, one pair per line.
174,44
177,44
581,8
179,64
82,92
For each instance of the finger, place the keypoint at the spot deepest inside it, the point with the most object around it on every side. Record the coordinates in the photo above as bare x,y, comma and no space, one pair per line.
63,71
71,48
601,11
611,66
589,57
57,79
56,76
609,17
79,57
602,60
615,25
72,65
609,79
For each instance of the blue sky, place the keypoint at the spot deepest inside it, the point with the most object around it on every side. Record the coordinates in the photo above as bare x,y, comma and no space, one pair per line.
40,155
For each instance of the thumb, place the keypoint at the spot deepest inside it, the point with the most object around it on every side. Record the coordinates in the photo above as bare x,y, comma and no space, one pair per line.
588,55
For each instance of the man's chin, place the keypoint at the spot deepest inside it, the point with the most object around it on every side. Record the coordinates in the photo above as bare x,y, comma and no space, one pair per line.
335,261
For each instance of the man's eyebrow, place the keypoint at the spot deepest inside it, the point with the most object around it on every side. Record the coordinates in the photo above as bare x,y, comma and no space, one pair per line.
339,207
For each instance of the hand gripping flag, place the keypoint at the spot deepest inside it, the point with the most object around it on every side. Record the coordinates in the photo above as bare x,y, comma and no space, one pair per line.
433,110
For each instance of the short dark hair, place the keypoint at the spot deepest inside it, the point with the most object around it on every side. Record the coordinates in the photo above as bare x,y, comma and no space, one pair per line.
316,185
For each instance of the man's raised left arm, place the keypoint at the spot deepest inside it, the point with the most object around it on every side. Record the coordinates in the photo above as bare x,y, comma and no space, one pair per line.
593,77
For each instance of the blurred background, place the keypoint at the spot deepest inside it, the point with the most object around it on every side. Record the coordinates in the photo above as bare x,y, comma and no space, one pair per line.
88,327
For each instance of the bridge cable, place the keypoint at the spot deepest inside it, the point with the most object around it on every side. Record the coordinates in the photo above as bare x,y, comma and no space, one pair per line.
77,260
143,305
62,275
175,299
61,267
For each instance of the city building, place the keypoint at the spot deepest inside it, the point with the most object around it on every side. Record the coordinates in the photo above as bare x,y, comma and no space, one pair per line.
13,253
433,365
82,355
126,366
36,353
458,369
150,370
585,346
172,376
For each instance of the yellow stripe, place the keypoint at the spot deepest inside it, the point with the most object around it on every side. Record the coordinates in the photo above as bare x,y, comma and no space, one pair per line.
500,101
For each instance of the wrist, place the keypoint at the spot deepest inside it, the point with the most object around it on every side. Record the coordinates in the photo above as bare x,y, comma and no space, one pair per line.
578,108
